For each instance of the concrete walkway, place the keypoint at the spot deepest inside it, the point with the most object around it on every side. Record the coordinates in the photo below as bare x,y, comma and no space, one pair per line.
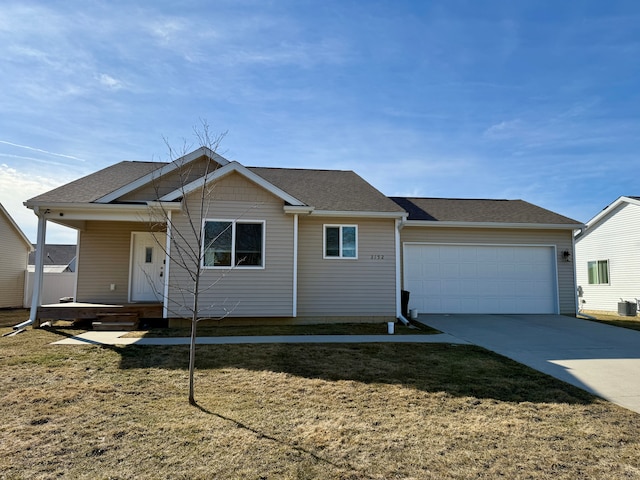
601,359
115,338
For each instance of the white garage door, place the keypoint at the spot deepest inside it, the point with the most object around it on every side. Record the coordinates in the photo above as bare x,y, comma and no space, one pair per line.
480,278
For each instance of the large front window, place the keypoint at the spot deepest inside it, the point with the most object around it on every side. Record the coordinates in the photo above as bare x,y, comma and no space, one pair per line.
230,243
340,241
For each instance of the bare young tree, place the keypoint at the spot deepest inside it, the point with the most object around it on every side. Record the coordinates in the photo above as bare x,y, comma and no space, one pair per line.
185,248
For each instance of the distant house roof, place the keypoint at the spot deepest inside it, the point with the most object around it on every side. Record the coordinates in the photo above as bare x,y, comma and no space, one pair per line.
55,254
480,211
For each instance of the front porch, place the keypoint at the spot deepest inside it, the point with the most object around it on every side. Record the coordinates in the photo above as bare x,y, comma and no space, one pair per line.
101,316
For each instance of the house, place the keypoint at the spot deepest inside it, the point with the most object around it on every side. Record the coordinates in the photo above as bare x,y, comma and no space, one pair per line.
14,251
58,258
607,260
302,245
59,278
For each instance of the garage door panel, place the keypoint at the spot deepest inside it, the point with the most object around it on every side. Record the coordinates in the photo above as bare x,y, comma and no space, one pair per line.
481,278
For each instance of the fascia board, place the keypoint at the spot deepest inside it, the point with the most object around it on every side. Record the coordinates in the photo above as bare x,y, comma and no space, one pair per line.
61,212
226,170
13,223
522,226
161,171
346,213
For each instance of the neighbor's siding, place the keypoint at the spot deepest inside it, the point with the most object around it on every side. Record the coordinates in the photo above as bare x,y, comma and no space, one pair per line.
104,257
248,292
365,287
617,239
562,239
14,255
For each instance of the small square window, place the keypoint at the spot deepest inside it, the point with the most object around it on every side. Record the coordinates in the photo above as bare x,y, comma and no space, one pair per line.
341,241
598,271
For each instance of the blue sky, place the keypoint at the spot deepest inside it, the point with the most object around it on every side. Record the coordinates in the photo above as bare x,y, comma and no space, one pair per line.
537,100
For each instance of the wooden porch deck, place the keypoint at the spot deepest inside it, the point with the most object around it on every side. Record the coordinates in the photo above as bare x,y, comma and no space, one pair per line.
102,316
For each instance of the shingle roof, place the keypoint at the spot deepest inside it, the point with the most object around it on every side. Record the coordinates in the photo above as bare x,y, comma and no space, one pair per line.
96,185
55,254
484,211
334,190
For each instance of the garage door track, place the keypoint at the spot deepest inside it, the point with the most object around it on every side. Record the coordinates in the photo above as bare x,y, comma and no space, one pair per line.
601,359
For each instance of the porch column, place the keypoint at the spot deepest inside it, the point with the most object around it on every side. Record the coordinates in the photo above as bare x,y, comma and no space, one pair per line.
38,275
294,312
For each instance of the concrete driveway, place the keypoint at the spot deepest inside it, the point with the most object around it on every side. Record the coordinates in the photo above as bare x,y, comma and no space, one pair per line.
601,359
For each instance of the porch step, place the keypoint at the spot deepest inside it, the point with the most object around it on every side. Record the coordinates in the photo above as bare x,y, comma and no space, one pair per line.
115,321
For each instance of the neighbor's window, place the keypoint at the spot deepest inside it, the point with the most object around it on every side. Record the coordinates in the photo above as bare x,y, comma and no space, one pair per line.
233,243
598,272
340,241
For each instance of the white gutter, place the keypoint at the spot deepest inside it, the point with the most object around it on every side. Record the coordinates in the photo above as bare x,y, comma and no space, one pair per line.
537,226
344,213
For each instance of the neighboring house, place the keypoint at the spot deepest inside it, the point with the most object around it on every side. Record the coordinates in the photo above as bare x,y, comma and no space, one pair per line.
57,258
14,251
59,281
608,257
315,245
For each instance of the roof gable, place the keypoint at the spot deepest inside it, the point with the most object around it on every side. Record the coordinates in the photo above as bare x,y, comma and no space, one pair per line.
611,208
473,211
15,227
163,170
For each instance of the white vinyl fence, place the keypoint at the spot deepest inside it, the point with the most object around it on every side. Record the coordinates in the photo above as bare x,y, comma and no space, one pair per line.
55,286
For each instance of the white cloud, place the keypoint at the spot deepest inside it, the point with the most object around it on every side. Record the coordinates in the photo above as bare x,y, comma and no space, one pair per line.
110,82
18,186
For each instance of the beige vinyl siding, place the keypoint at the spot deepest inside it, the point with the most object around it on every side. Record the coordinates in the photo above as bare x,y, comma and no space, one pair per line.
365,287
616,239
562,239
240,292
104,257
14,255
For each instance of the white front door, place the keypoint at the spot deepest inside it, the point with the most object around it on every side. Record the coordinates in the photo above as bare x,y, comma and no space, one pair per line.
147,266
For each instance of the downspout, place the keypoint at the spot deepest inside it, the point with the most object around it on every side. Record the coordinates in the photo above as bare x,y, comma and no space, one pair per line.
38,276
399,225
294,312
575,276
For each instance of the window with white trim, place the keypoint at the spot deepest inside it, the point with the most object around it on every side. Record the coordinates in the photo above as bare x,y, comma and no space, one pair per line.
341,241
233,243
598,271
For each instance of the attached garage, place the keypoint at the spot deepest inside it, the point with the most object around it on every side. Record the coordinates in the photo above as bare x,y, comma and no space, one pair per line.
449,278
486,256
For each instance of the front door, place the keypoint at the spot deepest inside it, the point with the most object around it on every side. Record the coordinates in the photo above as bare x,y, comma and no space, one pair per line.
147,267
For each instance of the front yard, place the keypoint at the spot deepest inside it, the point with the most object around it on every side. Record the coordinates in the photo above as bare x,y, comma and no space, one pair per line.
375,411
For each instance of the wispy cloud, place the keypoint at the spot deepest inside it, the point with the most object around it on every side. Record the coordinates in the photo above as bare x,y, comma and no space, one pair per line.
39,150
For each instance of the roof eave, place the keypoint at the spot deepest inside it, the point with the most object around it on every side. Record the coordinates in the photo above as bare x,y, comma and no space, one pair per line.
347,213
13,223
608,209
510,225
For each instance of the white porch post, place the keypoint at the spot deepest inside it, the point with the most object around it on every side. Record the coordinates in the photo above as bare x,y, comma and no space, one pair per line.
38,276
294,312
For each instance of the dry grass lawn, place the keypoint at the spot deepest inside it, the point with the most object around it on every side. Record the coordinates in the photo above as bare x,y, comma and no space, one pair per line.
376,411
632,323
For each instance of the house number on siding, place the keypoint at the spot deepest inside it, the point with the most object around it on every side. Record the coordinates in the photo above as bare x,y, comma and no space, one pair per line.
377,257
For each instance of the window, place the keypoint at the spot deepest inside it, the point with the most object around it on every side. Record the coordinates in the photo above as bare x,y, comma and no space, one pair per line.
340,241
233,243
598,272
